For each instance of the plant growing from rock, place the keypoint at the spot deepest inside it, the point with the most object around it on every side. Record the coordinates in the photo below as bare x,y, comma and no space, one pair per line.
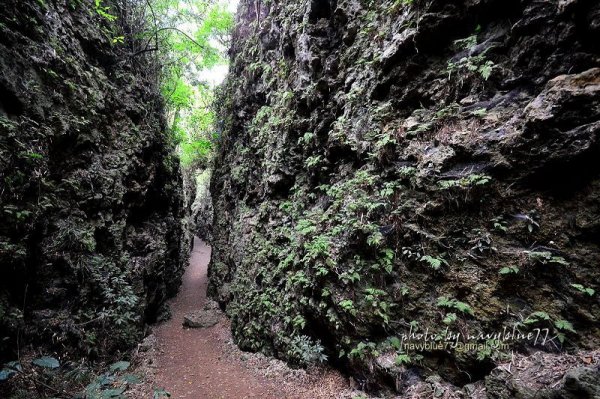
452,303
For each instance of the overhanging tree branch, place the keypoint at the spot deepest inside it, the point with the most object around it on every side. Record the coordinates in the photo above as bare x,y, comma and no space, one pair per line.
184,34
156,32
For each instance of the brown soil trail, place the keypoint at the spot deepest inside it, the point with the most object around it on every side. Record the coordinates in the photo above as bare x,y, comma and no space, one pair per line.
190,362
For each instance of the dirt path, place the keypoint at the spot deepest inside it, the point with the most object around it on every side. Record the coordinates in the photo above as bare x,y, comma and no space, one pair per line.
190,362
206,364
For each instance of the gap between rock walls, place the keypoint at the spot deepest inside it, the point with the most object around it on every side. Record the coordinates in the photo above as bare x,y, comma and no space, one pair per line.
391,198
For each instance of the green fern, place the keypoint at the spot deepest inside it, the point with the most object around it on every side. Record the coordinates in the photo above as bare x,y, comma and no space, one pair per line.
402,359
446,302
450,318
435,263
564,325
536,317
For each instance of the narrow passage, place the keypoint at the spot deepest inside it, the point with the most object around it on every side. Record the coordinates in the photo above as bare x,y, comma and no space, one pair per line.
190,362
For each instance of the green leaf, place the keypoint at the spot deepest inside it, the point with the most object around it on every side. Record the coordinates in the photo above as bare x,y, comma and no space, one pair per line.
463,307
92,388
160,393
395,342
450,318
402,359
47,362
105,379
541,315
479,112
15,365
509,270
536,316
486,70
444,302
435,263
34,155
119,366
564,325
6,374
131,379
584,290
113,393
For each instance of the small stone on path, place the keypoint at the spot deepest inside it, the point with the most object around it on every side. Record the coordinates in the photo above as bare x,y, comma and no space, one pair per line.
201,319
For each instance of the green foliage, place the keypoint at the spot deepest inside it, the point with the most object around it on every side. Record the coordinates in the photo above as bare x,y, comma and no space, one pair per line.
317,247
547,258
47,362
509,270
73,380
192,37
33,155
112,384
376,300
305,227
564,325
308,352
486,69
465,182
536,317
363,350
348,306
306,138
499,225
9,370
480,112
491,351
313,161
387,259
160,393
435,263
466,43
449,318
119,366
473,63
402,359
103,11
585,290
375,239
454,304
389,189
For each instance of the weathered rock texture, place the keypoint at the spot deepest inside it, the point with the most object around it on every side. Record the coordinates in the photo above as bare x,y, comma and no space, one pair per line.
90,199
397,163
202,209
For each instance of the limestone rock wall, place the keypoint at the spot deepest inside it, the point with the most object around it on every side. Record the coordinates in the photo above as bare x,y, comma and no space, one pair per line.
91,197
395,164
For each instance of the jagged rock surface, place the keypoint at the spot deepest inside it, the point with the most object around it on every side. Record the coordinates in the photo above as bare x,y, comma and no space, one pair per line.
91,197
396,163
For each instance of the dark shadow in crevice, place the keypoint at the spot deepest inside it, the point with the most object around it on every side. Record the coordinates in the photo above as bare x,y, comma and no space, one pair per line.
9,103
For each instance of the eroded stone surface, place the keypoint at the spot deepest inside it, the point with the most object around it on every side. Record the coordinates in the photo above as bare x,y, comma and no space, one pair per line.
91,196
378,156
